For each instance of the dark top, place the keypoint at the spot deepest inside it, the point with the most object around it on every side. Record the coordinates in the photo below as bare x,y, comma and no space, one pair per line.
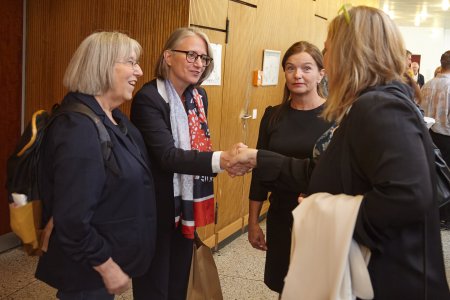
98,213
382,150
420,80
151,115
294,135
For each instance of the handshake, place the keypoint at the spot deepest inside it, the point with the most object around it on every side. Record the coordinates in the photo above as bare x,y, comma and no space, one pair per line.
238,160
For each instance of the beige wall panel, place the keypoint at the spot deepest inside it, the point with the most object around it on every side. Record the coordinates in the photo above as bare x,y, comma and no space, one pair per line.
319,30
373,3
56,28
211,13
229,229
254,2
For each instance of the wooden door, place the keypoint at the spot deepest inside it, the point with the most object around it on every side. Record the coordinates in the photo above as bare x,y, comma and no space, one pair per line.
237,90
11,20
210,16
229,101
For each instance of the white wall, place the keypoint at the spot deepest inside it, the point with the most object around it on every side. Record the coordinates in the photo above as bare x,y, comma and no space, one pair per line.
430,43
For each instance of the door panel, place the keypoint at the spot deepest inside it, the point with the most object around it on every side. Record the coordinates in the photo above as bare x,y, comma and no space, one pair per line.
236,95
210,13
214,120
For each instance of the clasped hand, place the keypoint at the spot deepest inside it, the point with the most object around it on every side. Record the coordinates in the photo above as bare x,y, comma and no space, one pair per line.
238,160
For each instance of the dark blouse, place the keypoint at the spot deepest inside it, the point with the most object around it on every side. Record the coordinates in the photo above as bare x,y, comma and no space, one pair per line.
294,135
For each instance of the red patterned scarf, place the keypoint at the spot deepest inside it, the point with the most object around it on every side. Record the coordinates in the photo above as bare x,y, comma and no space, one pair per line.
193,194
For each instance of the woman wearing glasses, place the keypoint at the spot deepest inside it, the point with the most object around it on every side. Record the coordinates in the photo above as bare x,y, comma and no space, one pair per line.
170,111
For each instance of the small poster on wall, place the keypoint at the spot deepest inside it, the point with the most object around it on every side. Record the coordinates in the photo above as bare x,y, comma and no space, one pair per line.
271,66
215,78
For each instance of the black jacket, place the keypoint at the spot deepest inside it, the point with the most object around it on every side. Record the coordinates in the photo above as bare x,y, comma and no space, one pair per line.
420,80
382,151
98,212
151,115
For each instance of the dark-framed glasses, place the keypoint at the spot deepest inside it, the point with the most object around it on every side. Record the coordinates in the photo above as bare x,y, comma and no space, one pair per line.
191,57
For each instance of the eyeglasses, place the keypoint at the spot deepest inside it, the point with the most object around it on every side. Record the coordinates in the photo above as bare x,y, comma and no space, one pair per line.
130,62
192,56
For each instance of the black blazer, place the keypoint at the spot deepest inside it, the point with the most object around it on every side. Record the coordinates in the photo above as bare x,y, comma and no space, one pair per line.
379,151
150,114
98,212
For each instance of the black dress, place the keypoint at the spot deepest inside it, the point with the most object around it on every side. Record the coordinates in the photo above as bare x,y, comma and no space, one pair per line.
295,135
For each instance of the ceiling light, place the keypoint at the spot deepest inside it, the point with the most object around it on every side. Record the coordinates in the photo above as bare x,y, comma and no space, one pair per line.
391,14
424,13
445,5
417,20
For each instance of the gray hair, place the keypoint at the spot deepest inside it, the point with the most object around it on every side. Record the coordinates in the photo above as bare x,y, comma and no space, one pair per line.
91,68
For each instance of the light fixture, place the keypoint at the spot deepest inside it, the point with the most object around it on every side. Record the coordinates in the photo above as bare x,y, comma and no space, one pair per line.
424,13
445,5
417,20
386,6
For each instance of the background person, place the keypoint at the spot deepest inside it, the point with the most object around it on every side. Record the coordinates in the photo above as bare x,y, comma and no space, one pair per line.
416,75
370,154
291,128
170,111
436,104
103,211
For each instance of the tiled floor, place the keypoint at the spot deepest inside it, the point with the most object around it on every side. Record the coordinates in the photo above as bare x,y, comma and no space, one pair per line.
240,269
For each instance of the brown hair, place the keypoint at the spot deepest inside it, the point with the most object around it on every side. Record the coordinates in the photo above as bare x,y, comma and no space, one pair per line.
445,61
296,48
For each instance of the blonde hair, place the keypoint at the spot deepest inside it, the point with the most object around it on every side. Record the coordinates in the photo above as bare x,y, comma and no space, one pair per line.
91,68
162,69
367,50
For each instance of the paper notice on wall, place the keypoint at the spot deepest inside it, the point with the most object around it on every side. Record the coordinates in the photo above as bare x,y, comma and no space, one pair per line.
216,75
271,66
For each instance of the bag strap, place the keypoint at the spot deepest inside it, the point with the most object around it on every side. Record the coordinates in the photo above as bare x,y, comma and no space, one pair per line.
105,144
103,135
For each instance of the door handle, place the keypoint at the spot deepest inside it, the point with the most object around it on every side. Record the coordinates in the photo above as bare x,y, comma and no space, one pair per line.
246,117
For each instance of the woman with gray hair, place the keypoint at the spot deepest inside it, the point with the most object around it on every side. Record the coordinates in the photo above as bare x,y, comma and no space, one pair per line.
103,210
170,111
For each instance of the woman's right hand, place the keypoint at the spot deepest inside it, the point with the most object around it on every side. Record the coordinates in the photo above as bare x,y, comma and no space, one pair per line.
256,237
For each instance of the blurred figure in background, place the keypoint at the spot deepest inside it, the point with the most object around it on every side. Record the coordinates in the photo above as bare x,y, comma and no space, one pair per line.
418,78
436,105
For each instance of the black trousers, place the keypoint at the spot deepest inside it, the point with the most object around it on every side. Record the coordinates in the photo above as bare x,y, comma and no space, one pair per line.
168,275
443,143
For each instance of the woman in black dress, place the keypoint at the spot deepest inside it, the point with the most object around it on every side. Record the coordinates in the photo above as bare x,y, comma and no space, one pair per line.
291,128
